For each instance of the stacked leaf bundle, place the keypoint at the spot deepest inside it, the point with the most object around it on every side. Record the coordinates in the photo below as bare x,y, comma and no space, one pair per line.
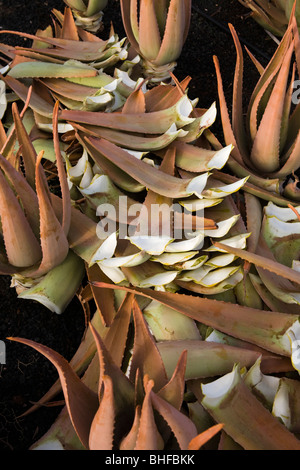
203,319
273,15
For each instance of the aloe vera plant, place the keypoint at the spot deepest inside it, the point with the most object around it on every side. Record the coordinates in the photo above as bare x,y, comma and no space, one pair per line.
112,407
107,172
77,76
157,31
272,15
42,247
102,415
88,13
266,142
195,328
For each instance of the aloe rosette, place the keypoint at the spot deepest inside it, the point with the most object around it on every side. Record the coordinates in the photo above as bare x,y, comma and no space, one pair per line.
102,415
266,142
43,246
78,75
108,172
88,13
157,30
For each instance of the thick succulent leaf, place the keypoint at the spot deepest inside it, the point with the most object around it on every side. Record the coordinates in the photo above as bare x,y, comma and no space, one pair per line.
197,159
296,39
66,198
245,419
163,96
237,241
263,262
27,149
69,29
79,362
22,247
117,335
82,403
267,139
146,279
25,192
82,235
263,386
218,190
202,438
79,5
227,284
233,319
103,298
65,43
206,358
52,290
292,162
173,391
102,427
68,89
283,238
245,292
119,177
135,102
3,100
183,428
129,441
147,437
206,275
227,128
254,216
130,21
287,108
123,388
161,9
237,100
132,141
170,259
264,86
205,118
285,214
194,243
42,70
53,240
156,122
167,324
174,34
149,35
286,403
152,178
145,356
37,102
107,248
277,302
271,364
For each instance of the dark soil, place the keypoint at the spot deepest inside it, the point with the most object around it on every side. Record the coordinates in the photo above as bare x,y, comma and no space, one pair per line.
26,376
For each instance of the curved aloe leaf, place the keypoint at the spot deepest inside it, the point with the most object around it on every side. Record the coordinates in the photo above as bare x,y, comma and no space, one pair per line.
102,426
22,247
82,403
269,331
245,419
